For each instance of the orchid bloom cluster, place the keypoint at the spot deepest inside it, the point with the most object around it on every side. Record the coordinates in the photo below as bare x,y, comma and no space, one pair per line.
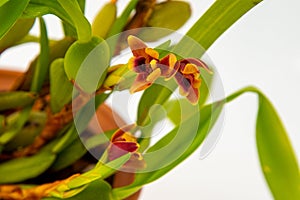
148,66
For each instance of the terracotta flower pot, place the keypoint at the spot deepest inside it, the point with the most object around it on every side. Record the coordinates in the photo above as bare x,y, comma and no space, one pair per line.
107,118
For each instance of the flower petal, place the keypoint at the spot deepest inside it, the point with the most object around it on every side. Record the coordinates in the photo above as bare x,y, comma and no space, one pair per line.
140,83
136,45
121,131
154,75
118,149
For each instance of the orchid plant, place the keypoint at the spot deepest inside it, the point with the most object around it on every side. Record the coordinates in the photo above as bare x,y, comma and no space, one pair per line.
44,118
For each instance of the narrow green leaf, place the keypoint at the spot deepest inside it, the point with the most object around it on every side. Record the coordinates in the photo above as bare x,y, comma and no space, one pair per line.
20,169
87,63
82,25
18,99
276,155
98,189
27,134
65,140
60,86
9,13
15,126
42,67
101,171
69,155
215,21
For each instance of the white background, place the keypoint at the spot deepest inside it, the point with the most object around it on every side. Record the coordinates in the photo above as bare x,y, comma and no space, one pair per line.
261,49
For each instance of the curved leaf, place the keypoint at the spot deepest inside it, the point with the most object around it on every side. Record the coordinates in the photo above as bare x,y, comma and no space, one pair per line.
20,169
9,13
276,155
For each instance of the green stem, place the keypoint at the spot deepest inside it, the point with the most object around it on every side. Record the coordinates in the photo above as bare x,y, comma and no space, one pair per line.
83,26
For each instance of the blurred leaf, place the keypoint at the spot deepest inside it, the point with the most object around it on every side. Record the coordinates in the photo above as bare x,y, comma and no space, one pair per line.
42,67
168,15
121,21
2,124
84,115
60,86
276,155
18,99
19,30
38,8
57,50
176,144
2,2
15,126
100,172
98,189
20,169
98,139
65,140
74,151
156,94
87,63
104,19
9,13
27,134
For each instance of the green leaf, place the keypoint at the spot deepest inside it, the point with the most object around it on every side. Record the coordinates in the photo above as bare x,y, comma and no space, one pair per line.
9,13
87,63
82,25
213,23
42,67
169,16
60,86
15,126
18,99
19,30
276,155
38,8
2,2
69,155
104,20
156,94
20,169
27,134
98,189
121,21
100,172
65,140
57,50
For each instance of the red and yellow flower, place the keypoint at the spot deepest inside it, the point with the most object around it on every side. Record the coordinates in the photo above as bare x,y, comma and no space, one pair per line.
123,142
148,66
